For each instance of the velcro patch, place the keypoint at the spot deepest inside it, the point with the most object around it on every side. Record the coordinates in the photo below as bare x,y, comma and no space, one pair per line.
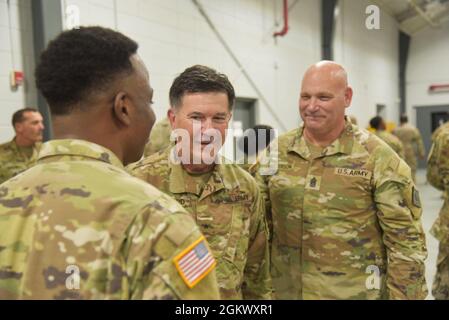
313,182
195,262
353,172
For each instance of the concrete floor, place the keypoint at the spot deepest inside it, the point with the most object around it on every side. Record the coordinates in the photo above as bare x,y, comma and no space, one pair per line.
432,202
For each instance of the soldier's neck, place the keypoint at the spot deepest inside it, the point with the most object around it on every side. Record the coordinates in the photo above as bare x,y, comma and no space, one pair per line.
198,168
23,142
322,140
73,128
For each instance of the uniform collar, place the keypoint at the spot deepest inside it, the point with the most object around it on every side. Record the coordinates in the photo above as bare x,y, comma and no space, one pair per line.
78,148
17,149
177,183
343,144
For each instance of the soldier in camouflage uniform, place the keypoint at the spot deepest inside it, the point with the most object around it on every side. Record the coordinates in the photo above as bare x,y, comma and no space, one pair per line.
438,176
345,212
77,225
439,129
224,200
378,124
413,144
21,152
159,138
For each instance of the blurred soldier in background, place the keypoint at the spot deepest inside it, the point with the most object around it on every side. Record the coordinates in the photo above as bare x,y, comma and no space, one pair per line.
253,142
438,176
159,137
378,124
412,142
76,225
21,152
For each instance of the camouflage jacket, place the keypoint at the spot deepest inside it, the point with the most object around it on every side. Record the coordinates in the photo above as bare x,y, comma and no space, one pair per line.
346,223
392,141
438,164
78,226
441,128
15,159
230,213
412,141
159,137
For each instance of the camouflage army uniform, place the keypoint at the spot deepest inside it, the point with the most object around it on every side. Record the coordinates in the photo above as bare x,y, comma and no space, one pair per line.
159,137
346,222
439,129
230,212
78,210
392,141
439,164
15,159
413,145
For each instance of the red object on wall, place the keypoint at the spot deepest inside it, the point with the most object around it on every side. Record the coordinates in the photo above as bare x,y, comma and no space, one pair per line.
17,78
439,88
284,30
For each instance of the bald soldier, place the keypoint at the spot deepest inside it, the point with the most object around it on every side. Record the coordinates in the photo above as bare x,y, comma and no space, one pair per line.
345,213
378,124
412,141
21,152
438,176
224,200
76,225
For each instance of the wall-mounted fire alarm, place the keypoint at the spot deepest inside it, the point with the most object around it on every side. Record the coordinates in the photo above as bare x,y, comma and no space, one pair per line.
17,78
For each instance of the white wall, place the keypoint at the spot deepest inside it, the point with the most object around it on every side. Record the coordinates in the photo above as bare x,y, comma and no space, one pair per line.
16,53
173,36
428,64
370,58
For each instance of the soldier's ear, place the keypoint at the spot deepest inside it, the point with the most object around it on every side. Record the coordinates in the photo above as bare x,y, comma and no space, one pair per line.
348,96
121,109
171,114
18,127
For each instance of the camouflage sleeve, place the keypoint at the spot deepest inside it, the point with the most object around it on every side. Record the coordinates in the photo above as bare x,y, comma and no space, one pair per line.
433,171
440,168
399,214
257,279
156,247
444,160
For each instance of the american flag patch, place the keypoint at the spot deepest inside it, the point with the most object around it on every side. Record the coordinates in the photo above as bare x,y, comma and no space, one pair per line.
195,262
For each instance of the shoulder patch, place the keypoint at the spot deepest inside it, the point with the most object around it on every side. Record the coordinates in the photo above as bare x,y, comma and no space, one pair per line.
195,262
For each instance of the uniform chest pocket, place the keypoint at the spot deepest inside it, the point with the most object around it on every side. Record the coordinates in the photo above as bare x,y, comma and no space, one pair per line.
346,190
225,224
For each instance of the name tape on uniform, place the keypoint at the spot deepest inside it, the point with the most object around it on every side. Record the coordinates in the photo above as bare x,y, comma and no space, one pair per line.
353,172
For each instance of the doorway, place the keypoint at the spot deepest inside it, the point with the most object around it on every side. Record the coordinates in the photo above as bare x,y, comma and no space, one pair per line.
428,118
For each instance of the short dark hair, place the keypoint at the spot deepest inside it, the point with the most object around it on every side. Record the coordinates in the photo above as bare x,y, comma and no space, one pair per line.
81,61
19,115
403,118
376,122
200,78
